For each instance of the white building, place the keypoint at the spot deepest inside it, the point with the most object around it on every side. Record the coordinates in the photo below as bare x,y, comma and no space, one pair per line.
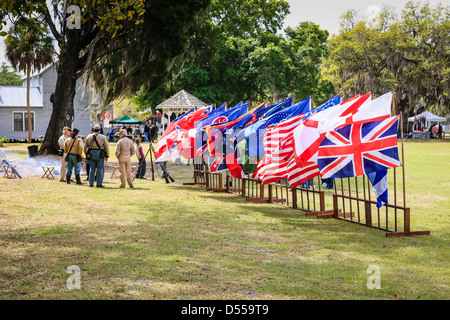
13,106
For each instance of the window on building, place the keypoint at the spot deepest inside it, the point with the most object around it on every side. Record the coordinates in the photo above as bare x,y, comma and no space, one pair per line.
20,120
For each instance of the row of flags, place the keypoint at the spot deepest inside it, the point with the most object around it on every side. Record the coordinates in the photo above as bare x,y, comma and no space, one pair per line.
291,141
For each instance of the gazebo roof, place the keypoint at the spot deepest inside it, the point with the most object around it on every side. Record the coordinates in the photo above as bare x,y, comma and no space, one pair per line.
182,99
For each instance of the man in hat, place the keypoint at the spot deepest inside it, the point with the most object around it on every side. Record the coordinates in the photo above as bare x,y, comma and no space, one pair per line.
61,142
93,147
124,151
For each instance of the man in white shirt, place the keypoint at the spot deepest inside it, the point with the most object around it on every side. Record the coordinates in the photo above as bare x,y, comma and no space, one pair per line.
61,141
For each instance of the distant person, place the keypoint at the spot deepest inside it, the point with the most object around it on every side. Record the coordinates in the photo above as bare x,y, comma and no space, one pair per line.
154,133
129,131
164,167
111,134
328,183
147,132
61,141
88,165
73,148
141,158
439,133
124,151
98,148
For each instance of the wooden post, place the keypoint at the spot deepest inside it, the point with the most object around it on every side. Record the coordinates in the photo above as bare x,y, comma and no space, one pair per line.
322,200
207,179
335,206
270,193
368,211
294,198
407,227
243,188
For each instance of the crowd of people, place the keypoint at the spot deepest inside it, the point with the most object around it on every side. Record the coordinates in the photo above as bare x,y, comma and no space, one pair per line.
95,150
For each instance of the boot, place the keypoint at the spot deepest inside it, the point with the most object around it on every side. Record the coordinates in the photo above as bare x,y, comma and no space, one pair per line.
77,177
68,178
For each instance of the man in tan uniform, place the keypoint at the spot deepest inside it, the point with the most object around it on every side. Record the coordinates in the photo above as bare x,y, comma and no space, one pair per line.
61,141
124,151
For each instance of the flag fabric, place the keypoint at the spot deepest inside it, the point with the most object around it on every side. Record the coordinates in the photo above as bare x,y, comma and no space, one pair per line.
172,126
309,134
359,148
379,186
297,175
330,103
254,134
165,149
215,118
219,129
270,172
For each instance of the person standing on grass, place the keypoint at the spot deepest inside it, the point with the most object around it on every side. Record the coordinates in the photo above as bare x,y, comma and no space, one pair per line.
147,132
124,152
99,154
73,150
141,157
61,141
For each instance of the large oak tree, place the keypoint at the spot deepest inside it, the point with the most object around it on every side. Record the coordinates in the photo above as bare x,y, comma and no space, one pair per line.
120,46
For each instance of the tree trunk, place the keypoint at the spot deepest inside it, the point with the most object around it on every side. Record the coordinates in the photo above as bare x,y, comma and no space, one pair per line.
30,123
63,111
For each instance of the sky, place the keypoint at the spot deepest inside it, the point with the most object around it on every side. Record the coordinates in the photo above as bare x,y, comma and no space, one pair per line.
327,13
324,13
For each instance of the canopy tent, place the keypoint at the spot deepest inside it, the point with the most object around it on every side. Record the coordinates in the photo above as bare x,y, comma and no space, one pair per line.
429,117
125,120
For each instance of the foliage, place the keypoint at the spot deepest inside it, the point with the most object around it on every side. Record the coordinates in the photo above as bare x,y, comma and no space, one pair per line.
269,67
9,77
3,140
242,19
408,55
118,46
29,46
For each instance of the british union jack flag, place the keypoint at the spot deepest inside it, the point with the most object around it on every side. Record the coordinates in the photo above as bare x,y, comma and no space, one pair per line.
359,148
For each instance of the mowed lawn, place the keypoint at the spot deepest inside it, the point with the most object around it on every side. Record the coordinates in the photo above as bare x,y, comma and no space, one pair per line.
169,241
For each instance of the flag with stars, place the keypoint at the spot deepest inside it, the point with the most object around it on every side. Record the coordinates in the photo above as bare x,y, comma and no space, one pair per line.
254,134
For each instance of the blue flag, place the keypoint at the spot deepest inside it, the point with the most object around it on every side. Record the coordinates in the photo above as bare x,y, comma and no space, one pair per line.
332,102
217,118
255,133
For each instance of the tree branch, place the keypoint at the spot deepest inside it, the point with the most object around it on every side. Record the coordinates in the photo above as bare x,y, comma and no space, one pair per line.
50,23
88,63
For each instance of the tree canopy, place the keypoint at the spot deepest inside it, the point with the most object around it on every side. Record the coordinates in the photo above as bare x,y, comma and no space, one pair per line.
9,77
409,55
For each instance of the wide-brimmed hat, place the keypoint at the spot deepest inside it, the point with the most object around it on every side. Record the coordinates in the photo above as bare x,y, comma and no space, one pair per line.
67,128
97,127
123,131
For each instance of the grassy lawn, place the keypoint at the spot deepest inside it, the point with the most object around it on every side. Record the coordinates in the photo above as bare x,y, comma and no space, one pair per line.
169,241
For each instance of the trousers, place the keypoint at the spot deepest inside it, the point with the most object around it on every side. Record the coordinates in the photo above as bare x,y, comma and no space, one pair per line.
125,171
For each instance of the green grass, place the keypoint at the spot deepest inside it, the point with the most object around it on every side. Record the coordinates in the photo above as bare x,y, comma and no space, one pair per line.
169,241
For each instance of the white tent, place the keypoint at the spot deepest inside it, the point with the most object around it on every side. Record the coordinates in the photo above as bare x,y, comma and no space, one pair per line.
429,118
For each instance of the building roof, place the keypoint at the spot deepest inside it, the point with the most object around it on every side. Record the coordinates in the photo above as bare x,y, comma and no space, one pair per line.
15,96
182,99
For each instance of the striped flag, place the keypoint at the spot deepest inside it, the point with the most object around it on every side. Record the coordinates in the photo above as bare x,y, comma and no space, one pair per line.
297,175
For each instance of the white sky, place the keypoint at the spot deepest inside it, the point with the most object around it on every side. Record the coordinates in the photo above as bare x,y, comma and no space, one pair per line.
327,13
324,13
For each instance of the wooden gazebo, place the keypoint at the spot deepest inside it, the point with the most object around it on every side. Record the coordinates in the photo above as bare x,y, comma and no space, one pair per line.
177,105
